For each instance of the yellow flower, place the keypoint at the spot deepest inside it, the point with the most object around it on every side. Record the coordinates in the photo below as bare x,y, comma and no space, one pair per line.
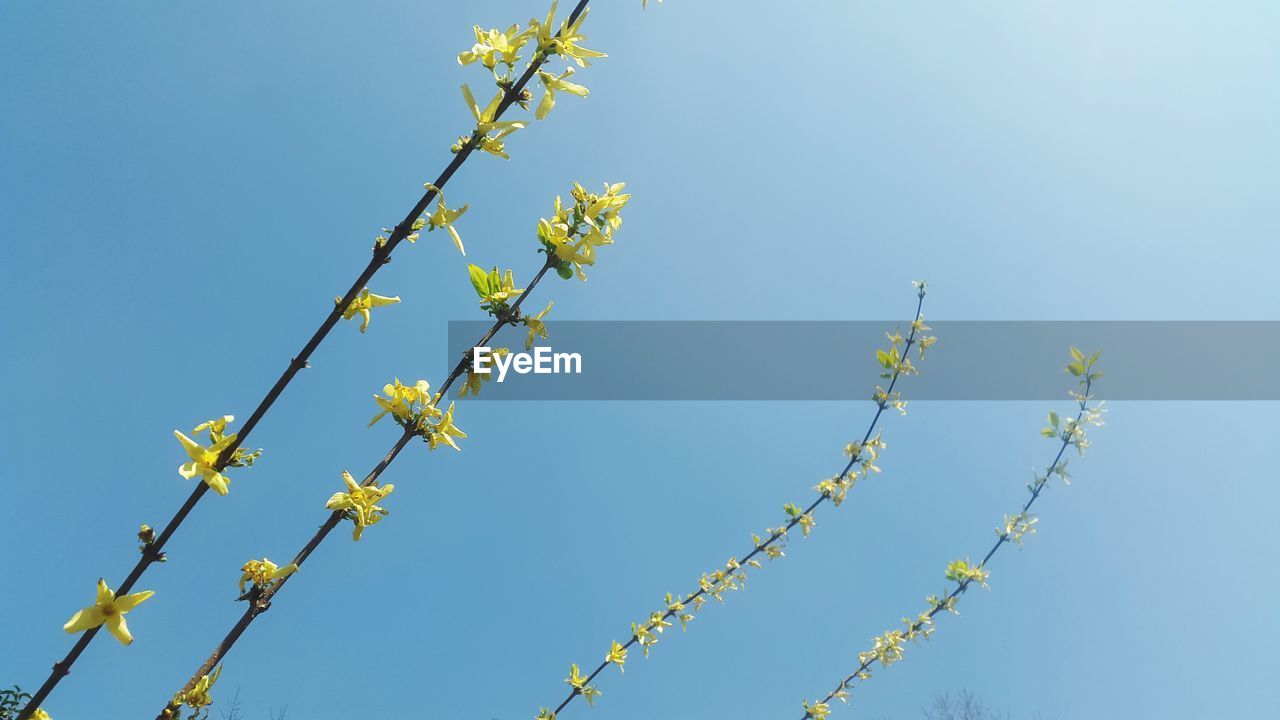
494,46
573,233
360,503
476,380
536,326
443,431
443,217
204,461
617,655
109,610
806,523
563,41
817,711
40,715
198,696
964,572
579,683
215,428
551,83
362,304
485,124
262,572
576,679
402,401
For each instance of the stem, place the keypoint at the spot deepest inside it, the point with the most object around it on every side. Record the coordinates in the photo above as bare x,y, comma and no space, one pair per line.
260,598
963,585
381,256
774,537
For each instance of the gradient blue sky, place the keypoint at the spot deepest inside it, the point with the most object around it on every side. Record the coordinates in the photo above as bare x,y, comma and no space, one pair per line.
186,186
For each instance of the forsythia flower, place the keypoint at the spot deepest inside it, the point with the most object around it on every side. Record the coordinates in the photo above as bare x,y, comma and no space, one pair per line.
574,232
485,124
361,305
204,461
494,46
579,683
109,610
817,711
551,83
415,408
402,401
475,380
962,571
198,696
537,328
887,650
360,503
444,431
617,655
262,572
564,41
443,217
1015,526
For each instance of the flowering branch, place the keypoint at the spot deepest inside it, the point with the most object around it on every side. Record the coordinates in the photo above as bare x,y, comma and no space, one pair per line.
210,462
895,362
592,218
889,647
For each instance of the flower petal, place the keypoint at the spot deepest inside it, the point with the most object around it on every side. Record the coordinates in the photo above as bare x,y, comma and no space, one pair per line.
191,446
118,627
90,617
125,603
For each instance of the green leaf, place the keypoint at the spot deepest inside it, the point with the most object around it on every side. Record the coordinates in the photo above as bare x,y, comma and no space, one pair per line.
479,280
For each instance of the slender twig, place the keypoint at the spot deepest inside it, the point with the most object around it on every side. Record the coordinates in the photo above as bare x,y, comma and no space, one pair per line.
259,598
881,404
381,256
962,585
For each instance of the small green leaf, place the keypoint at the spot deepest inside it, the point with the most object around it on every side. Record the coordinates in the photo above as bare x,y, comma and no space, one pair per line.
479,280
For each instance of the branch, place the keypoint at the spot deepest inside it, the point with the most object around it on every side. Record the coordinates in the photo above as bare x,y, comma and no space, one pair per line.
381,255
730,577
888,647
259,599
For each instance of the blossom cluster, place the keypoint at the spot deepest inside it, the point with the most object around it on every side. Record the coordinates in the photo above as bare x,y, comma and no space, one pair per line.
206,463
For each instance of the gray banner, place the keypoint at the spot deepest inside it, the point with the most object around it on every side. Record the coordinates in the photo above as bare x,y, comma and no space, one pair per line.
835,360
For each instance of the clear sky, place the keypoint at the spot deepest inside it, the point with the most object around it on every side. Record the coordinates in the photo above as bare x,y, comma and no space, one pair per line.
184,187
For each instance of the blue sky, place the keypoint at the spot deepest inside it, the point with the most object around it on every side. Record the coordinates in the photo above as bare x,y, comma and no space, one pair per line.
186,186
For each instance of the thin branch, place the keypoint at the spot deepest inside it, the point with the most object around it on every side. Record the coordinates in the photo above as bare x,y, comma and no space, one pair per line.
881,404
381,256
259,599
947,602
